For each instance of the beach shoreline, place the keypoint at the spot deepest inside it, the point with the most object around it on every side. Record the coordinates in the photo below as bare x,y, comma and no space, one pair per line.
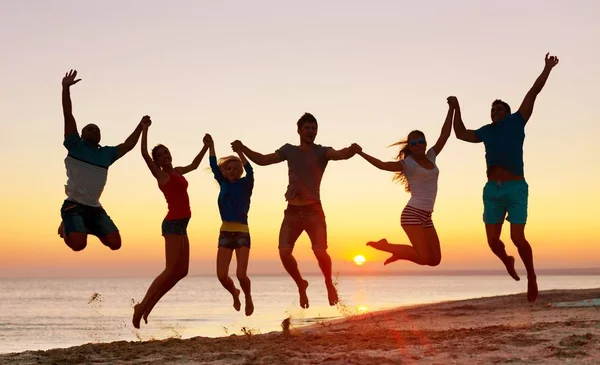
488,330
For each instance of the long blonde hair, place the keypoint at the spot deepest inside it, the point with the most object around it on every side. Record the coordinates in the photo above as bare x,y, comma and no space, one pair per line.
227,159
402,154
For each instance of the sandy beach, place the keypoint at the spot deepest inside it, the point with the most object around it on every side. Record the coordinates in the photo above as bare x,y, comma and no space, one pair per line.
496,330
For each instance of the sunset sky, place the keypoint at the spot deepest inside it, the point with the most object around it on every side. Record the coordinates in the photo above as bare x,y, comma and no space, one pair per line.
370,71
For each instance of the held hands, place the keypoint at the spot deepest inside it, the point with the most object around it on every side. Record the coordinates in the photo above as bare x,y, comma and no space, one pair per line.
208,141
237,146
145,122
452,102
355,148
550,62
69,78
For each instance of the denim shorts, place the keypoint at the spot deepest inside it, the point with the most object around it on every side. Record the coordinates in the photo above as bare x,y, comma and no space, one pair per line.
175,226
300,218
234,240
502,197
82,218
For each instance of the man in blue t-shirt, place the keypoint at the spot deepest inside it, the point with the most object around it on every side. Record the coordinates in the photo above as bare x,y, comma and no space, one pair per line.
87,166
506,190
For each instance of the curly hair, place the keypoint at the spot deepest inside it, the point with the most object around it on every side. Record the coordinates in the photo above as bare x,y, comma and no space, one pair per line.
402,154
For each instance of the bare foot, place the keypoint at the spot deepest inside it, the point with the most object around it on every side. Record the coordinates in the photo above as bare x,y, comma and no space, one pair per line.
510,267
145,316
302,291
249,305
532,289
391,259
137,316
61,230
236,300
379,245
332,295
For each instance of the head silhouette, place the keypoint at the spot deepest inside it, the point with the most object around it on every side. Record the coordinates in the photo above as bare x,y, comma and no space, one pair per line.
307,128
499,111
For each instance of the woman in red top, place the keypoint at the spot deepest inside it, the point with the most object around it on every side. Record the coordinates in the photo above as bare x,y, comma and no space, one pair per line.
174,227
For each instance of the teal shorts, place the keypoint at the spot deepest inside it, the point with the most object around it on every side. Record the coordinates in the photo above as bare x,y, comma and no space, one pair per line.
502,197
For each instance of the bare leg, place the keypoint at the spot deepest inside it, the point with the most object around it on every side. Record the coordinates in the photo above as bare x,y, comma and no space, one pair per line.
517,235
223,260
177,254
424,248
242,255
324,261
493,232
112,240
291,266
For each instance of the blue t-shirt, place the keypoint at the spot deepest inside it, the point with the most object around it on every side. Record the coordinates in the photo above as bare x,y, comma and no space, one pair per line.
234,197
87,169
503,142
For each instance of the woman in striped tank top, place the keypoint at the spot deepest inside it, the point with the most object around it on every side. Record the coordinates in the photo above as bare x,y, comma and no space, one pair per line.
174,227
416,168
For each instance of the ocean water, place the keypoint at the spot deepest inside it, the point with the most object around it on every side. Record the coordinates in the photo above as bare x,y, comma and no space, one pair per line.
39,314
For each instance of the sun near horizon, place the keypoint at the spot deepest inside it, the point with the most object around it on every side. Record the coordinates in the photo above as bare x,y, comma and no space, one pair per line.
359,260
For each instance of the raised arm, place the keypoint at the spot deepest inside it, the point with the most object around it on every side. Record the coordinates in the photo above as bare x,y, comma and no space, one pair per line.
156,171
247,166
132,140
446,130
461,132
343,154
194,165
67,82
394,166
526,107
257,158
212,158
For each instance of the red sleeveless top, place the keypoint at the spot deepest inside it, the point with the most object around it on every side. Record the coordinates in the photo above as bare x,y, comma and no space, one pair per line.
178,201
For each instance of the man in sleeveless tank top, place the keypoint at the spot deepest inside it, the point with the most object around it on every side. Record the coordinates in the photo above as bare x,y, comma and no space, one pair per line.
306,165
506,191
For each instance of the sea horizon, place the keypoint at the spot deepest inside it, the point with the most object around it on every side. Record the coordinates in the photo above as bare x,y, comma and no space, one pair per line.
429,272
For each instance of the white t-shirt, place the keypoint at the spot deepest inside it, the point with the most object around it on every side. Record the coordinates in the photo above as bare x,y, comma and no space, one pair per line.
423,183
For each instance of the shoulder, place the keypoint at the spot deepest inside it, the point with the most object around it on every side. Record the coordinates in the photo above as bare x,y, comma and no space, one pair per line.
284,150
516,117
322,150
111,152
483,131
431,153
72,140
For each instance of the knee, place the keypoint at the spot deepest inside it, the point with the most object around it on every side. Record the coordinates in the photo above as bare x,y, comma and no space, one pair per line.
519,240
434,260
115,245
242,277
222,276
285,253
320,254
494,241
112,241
76,243
182,273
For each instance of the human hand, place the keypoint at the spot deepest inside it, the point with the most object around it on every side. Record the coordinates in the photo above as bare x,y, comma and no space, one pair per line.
237,146
69,78
208,140
145,122
550,62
